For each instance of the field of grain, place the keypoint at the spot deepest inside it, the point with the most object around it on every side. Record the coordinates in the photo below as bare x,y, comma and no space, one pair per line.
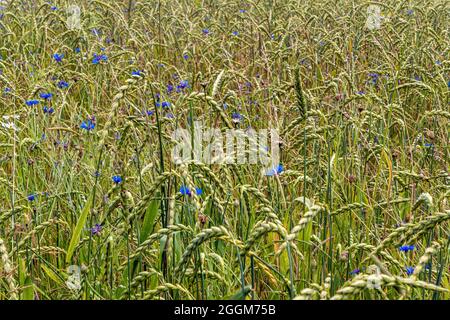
94,205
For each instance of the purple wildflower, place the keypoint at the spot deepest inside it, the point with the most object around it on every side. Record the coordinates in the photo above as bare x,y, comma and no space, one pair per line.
99,58
236,117
183,85
355,272
95,230
62,84
48,110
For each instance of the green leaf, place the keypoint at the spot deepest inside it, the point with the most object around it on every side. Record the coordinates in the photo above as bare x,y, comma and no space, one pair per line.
149,220
28,290
147,228
77,232
52,275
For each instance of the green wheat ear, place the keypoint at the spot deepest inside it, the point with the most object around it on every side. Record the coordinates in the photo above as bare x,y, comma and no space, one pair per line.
299,93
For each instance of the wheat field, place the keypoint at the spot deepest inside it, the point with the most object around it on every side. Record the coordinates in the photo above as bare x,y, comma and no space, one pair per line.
94,207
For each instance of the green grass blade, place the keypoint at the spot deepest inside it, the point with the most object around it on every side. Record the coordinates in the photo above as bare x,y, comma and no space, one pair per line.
77,232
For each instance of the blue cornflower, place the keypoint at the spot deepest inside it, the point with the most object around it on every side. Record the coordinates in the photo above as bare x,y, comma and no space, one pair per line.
428,145
104,58
375,140
136,73
46,95
150,112
407,248
170,115
410,12
95,230
361,93
374,77
183,84
236,117
355,272
169,88
32,102
99,58
87,125
9,89
409,270
275,171
242,11
48,110
95,59
205,31
198,191
165,104
31,197
185,190
448,84
62,84
185,56
58,57
54,8
235,33
77,50
117,179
